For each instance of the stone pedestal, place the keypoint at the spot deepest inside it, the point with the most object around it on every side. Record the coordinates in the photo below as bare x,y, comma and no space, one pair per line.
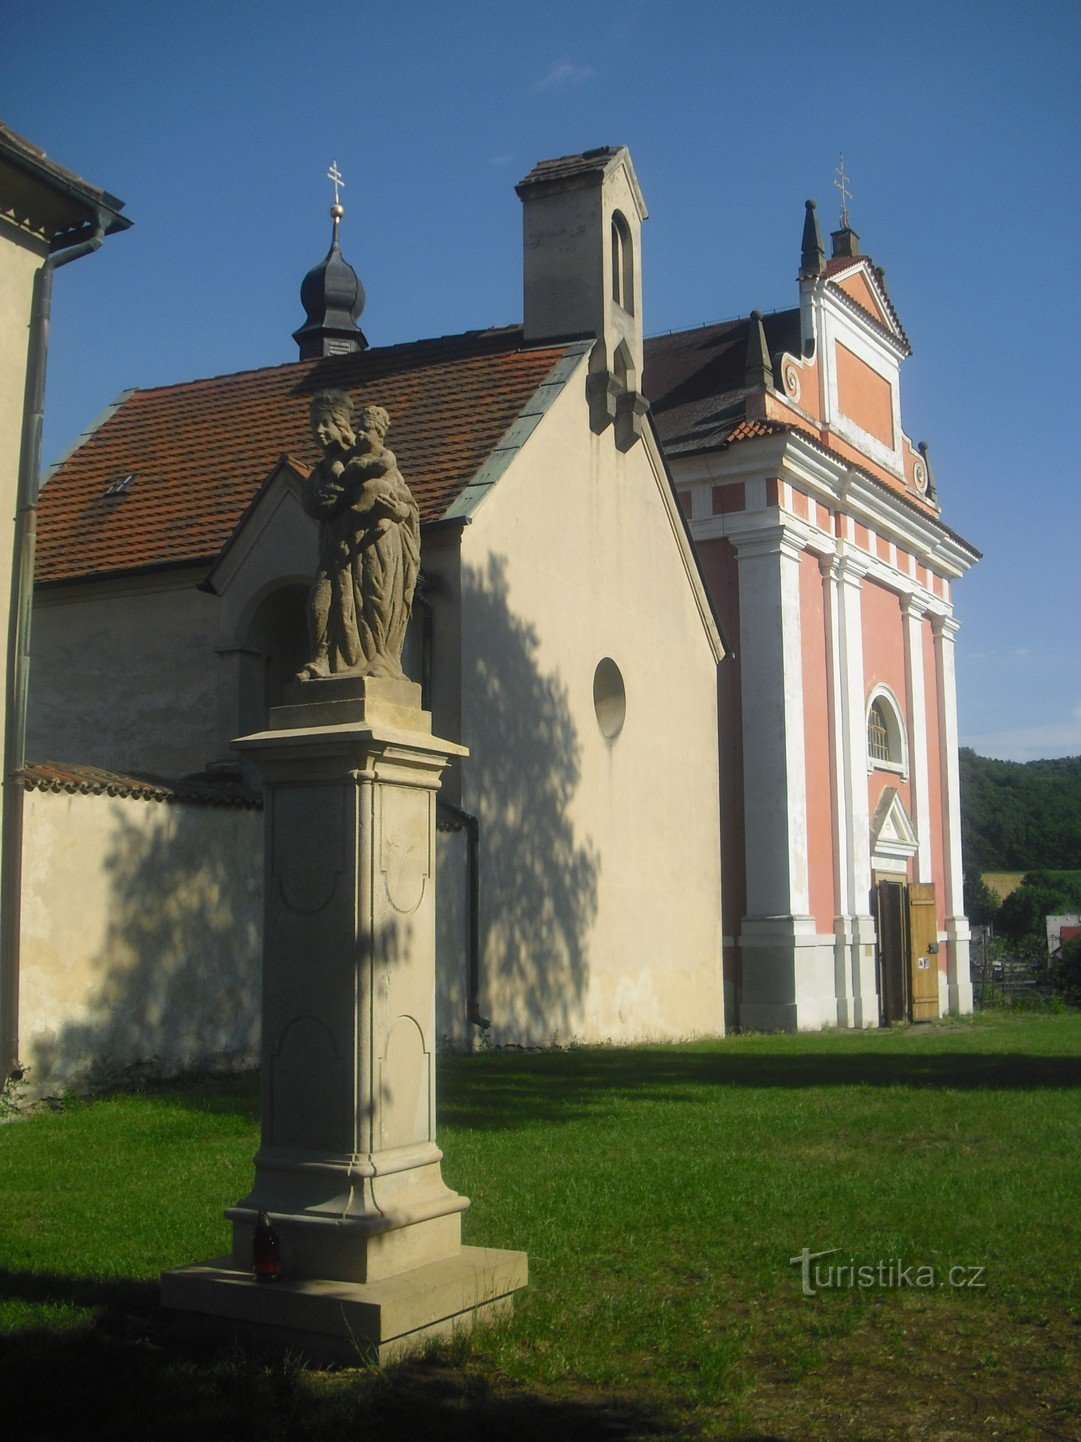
348,1168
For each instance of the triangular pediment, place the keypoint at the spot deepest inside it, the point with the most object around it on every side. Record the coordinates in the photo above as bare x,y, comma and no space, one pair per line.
892,832
275,523
859,282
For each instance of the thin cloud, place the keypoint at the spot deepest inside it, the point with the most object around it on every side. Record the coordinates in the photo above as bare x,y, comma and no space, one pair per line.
1031,743
563,73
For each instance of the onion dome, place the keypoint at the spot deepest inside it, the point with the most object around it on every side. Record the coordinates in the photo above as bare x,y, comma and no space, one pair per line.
333,298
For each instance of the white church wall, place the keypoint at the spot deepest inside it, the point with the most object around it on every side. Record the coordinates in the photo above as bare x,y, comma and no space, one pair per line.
600,875
154,955
123,675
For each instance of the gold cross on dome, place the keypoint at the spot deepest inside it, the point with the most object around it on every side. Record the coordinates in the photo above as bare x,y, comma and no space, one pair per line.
335,175
846,195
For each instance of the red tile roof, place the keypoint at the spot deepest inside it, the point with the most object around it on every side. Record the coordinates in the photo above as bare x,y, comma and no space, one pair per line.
838,263
93,781
750,430
199,451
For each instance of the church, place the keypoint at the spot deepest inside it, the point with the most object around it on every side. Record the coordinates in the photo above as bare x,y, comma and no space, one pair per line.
686,601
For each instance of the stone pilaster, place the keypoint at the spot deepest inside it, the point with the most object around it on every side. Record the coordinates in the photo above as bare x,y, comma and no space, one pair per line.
830,569
958,976
913,611
857,929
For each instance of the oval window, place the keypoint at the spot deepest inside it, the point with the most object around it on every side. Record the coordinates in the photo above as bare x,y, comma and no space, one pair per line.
609,698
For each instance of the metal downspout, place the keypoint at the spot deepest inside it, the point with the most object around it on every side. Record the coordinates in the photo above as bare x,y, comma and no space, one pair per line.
457,819
465,820
18,640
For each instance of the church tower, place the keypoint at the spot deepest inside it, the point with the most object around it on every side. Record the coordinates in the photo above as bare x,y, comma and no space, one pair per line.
582,228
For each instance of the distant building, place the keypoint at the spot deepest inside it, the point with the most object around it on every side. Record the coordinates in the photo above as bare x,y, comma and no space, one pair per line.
1060,930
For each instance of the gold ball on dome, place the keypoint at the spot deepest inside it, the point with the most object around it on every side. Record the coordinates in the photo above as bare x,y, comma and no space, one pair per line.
337,211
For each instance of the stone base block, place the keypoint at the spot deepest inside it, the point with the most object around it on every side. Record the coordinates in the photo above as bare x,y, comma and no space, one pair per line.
339,1252
350,1322
351,701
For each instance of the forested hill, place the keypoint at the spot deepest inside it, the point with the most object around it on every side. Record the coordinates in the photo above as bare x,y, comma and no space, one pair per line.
1020,815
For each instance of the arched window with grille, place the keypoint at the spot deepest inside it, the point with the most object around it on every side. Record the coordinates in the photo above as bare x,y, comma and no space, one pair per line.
885,733
878,734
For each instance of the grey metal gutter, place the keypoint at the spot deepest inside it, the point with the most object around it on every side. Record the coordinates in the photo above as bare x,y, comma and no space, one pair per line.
18,640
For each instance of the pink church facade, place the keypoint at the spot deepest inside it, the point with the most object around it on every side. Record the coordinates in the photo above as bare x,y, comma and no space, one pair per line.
819,531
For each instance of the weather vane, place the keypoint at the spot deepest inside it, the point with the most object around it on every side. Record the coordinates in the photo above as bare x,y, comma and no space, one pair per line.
335,175
846,195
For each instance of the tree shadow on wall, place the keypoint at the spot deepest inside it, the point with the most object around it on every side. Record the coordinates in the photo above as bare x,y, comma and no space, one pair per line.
176,978
538,878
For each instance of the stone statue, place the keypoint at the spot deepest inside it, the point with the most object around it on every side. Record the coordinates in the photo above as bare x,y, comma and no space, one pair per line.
369,545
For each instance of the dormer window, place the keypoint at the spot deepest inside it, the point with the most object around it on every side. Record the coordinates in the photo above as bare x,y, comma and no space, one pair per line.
885,734
121,484
622,263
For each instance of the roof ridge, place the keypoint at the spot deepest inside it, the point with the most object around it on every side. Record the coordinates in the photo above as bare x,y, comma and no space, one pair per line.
494,331
725,320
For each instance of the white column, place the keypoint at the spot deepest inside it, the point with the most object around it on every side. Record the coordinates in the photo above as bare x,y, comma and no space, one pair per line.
913,610
958,979
774,764
858,925
777,923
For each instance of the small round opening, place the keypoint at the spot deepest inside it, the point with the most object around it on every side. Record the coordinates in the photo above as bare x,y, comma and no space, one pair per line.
609,698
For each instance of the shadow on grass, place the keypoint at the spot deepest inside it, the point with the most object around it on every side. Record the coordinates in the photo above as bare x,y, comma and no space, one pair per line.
124,1369
511,1089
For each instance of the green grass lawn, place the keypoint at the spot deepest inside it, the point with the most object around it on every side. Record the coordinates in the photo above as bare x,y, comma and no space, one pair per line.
660,1193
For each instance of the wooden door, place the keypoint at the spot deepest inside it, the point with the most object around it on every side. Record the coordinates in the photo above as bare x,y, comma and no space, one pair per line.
923,950
893,967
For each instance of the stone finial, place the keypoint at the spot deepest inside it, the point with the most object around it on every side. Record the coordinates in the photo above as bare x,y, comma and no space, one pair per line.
931,492
757,369
369,545
813,257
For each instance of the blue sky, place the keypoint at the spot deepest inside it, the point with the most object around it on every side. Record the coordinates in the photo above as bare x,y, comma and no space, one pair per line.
959,123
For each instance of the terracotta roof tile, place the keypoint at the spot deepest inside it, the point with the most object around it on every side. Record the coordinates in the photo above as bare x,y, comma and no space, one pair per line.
749,430
93,781
198,452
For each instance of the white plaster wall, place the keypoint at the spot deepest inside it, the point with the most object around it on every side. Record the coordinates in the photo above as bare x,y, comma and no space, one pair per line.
141,935
125,676
600,879
21,256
